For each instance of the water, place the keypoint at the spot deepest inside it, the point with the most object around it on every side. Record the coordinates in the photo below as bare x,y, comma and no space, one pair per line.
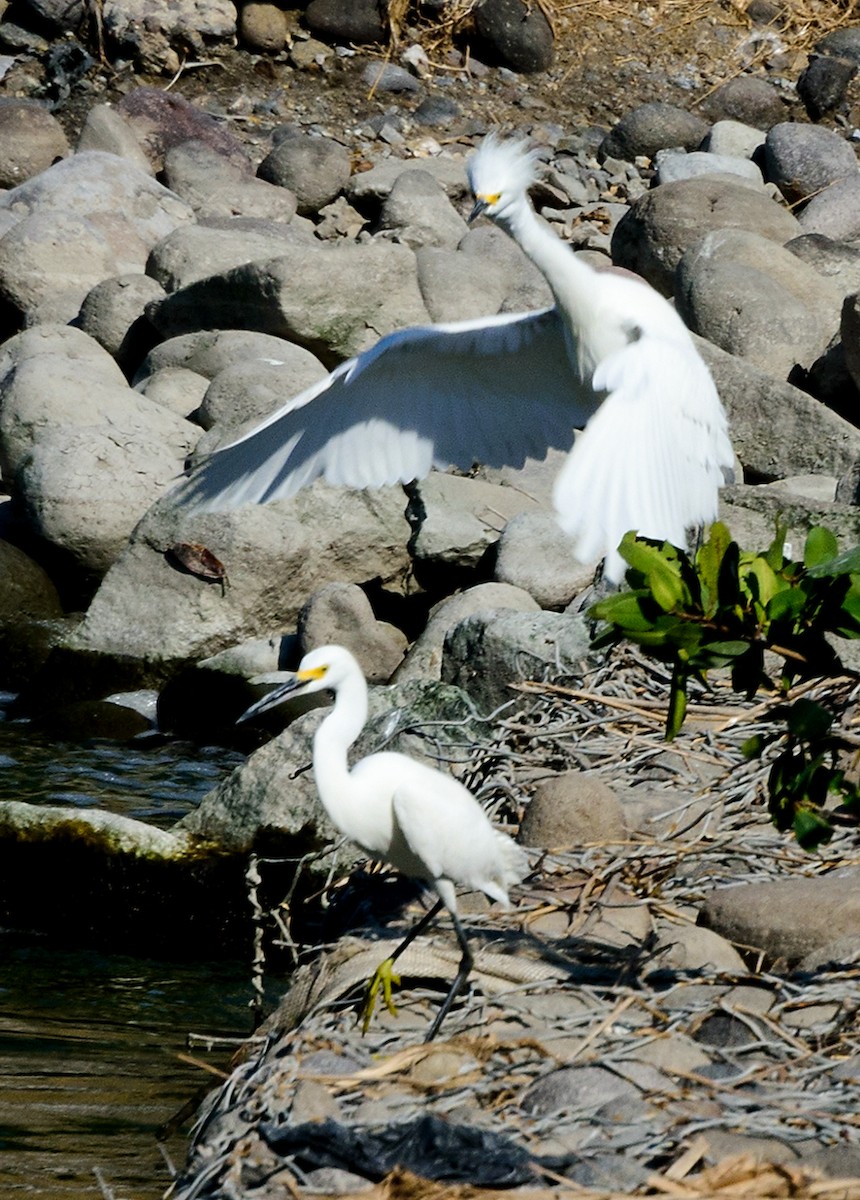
93,1058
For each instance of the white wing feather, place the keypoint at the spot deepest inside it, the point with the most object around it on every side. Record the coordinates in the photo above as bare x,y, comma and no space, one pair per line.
651,459
494,391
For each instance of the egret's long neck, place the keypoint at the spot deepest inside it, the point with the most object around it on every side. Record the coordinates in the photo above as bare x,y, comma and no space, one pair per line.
570,278
332,741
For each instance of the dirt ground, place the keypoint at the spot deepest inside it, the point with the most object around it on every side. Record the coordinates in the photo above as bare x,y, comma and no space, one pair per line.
609,58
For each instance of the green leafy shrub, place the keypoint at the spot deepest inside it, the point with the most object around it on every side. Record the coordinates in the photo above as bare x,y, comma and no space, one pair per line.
724,607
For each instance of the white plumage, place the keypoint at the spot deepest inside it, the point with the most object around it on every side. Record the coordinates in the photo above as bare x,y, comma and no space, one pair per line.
611,357
420,820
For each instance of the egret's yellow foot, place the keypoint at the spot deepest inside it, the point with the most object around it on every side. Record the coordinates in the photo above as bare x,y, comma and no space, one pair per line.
381,981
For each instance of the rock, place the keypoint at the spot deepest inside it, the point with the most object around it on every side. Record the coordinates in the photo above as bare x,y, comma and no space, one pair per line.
388,77
272,796
128,208
787,918
673,165
734,139
833,212
83,482
418,210
161,120
756,300
451,288
850,328
242,395
803,159
263,26
570,809
834,260
424,658
694,948
668,816
359,21
26,591
314,169
811,437
526,288
747,99
147,608
515,35
340,614
436,112
823,84
210,352
48,264
489,652
665,222
336,301
31,139
458,518
367,189
652,127
194,252
216,185
581,1087
106,130
113,314
534,553
752,513
177,388
155,35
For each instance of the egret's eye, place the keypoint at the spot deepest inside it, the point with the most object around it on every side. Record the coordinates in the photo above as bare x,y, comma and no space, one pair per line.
491,198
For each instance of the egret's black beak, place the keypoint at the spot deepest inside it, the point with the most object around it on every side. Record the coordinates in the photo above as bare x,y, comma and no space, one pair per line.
271,699
480,207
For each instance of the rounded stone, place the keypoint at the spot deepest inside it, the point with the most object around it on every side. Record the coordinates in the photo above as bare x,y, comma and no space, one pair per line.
748,99
571,809
652,127
515,34
804,159
263,27
314,169
31,139
359,21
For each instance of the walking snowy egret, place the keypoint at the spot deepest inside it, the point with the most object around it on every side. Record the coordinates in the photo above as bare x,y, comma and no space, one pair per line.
610,357
401,811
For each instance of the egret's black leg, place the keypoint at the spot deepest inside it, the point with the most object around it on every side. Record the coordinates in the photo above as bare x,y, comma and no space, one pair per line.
466,964
417,928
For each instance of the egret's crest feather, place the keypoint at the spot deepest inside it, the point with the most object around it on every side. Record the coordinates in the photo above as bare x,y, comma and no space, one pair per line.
502,167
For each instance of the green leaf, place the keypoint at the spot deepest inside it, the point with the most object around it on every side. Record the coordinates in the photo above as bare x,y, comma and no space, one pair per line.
623,609
846,563
821,547
788,603
775,553
808,720
763,581
754,746
663,577
811,828
710,556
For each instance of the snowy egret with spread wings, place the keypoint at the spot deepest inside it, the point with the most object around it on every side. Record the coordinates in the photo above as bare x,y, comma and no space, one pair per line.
610,357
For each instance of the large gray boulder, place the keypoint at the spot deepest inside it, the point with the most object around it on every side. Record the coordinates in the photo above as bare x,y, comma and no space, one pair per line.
85,454
757,300
776,429
334,299
661,225
194,252
489,653
275,555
